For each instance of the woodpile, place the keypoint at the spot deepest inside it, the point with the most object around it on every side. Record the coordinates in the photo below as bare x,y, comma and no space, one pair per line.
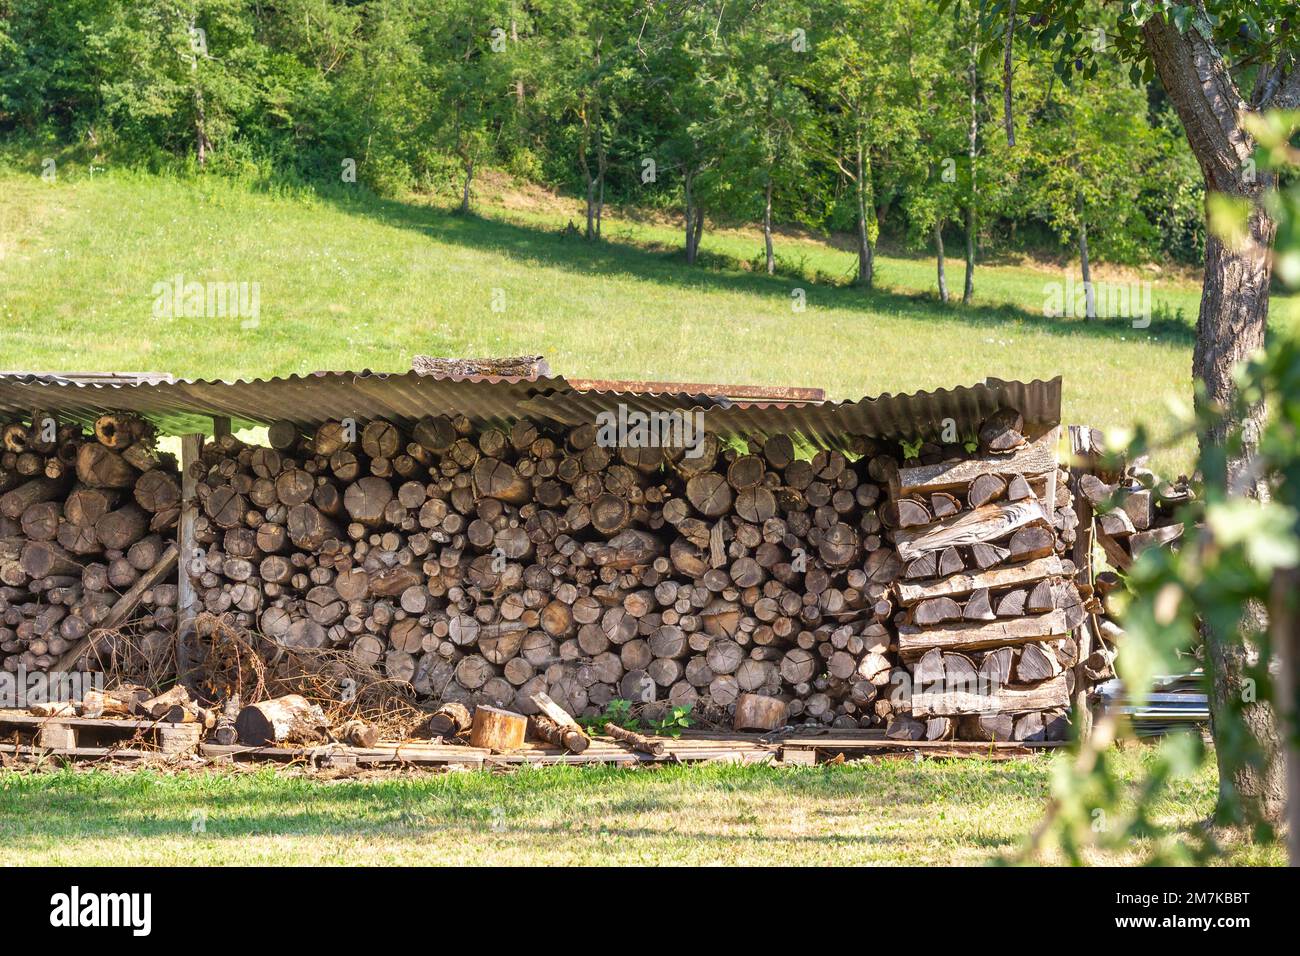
988,599
87,525
487,566
1132,509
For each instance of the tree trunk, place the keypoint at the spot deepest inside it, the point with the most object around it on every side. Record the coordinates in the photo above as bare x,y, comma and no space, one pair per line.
1090,297
689,197
972,76
1231,324
697,231
938,256
464,195
866,256
767,227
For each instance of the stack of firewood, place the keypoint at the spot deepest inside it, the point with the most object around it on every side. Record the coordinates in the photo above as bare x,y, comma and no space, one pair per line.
86,530
988,599
1135,512
488,566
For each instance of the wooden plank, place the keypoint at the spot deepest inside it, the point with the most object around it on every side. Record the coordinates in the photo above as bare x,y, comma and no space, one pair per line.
960,584
123,606
23,719
796,744
1081,455
913,641
989,523
1005,700
187,597
1036,458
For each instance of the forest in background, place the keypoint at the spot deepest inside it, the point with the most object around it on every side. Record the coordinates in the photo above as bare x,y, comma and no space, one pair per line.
863,117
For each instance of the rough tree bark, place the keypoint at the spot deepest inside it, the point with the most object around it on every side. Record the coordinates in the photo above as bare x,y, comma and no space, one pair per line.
972,147
767,228
866,255
1231,323
1089,296
939,263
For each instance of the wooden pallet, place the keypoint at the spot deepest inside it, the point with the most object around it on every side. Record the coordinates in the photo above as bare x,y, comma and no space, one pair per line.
70,734
417,753
803,750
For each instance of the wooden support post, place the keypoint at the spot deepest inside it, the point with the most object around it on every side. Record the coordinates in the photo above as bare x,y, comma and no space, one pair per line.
1081,449
220,426
187,599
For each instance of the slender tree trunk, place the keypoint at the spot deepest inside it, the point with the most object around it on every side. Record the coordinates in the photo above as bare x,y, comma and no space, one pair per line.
600,202
938,256
866,255
688,195
972,77
1231,325
699,231
1089,295
591,207
464,193
767,227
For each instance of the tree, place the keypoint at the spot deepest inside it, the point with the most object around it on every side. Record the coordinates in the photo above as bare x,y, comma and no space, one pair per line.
867,85
1205,55
1088,157
771,131
474,83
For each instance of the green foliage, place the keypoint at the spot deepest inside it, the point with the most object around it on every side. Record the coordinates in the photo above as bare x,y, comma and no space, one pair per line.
623,713
726,101
673,722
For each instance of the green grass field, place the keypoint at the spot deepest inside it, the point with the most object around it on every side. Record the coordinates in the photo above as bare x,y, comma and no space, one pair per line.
359,282
955,812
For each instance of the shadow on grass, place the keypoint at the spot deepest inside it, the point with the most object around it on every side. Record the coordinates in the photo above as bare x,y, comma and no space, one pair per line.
556,249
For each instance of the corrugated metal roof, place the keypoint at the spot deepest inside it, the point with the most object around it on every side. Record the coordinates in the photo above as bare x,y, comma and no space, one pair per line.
187,405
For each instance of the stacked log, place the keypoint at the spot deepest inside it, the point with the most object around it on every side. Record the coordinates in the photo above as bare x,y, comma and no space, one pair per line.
83,519
489,565
1132,509
1135,512
988,601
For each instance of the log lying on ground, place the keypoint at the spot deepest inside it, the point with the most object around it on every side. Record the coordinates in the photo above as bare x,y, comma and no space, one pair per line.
638,742
288,719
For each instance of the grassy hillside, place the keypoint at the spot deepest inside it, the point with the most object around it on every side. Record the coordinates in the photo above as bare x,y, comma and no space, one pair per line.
959,812
361,282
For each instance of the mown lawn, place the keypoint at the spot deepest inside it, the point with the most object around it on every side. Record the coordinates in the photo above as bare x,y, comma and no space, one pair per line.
361,282
953,812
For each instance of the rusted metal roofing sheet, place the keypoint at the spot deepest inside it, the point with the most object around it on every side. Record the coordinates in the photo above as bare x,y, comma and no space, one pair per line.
180,406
